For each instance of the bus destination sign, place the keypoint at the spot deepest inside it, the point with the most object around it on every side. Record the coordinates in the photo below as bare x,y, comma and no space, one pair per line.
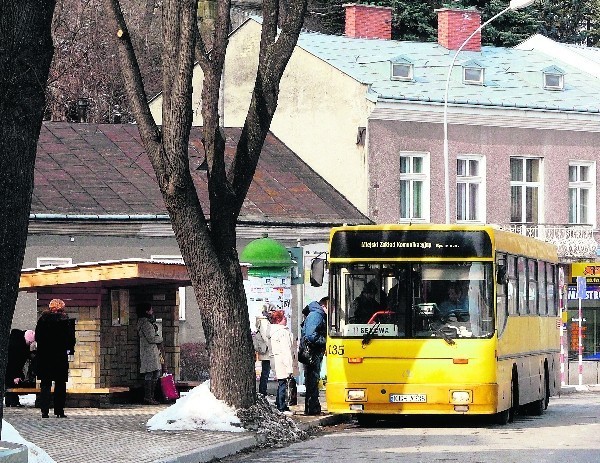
381,244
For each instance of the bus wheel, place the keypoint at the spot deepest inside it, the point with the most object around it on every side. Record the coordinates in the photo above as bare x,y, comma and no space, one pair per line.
366,421
502,417
514,387
537,408
547,384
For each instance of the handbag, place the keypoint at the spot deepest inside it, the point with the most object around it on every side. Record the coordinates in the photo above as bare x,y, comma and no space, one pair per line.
305,354
167,386
291,394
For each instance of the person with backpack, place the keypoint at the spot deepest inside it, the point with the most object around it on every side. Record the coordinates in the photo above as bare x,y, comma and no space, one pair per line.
314,332
260,339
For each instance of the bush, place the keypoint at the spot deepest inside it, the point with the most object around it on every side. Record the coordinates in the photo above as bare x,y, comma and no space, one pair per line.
194,361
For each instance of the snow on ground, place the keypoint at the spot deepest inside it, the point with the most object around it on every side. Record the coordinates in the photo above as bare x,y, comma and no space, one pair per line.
197,409
35,454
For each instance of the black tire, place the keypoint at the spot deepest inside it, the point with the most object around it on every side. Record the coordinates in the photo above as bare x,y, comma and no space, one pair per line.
366,421
502,418
537,407
547,383
514,387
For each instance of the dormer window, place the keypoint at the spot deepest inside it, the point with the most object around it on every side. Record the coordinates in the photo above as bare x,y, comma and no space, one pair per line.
473,73
402,69
554,78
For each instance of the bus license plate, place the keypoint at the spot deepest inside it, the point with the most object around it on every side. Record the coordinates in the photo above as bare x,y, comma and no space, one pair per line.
408,398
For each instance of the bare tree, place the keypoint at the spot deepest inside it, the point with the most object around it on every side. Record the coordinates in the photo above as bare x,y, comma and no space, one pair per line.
25,54
85,67
209,247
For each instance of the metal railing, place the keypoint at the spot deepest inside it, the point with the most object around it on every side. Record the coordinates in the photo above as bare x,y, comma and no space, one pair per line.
574,241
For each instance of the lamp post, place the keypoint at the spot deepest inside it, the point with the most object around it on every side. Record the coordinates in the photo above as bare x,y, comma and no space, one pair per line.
514,5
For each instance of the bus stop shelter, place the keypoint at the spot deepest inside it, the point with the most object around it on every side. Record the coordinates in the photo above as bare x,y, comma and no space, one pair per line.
102,297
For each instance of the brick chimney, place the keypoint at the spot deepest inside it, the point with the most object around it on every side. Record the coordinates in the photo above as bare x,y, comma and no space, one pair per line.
455,26
368,21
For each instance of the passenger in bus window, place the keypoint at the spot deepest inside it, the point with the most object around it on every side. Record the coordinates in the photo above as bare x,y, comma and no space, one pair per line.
397,301
366,304
455,304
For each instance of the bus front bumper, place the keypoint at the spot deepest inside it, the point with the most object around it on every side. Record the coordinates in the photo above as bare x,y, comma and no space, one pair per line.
473,399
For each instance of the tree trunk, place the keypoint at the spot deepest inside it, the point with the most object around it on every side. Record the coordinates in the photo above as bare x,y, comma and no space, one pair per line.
209,249
25,55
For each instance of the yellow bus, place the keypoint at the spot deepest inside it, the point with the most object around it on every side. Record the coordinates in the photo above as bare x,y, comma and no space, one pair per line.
441,319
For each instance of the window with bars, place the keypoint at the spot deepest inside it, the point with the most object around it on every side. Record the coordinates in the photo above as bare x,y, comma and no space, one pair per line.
414,187
470,205
525,186
582,193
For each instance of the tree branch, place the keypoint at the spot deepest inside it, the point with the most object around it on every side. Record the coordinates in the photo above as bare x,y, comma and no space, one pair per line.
132,75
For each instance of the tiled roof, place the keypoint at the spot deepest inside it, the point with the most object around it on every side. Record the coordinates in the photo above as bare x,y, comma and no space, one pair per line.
102,169
513,77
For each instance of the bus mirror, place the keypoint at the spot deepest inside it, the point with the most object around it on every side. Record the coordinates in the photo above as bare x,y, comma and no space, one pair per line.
501,275
317,270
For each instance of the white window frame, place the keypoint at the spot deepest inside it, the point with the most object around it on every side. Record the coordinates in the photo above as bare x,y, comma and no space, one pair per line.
425,178
53,261
181,292
479,180
561,81
524,184
473,81
579,185
408,66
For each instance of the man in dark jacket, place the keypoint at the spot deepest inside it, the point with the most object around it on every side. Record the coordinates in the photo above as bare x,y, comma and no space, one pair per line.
18,353
55,337
314,330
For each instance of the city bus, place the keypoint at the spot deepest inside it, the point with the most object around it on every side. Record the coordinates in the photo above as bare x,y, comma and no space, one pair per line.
441,319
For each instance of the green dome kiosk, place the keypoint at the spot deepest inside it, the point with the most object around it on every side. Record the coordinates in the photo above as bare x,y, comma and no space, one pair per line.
269,276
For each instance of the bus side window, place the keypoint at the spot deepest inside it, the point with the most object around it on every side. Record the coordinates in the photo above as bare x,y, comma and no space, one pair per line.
502,293
551,290
532,289
522,286
542,287
512,289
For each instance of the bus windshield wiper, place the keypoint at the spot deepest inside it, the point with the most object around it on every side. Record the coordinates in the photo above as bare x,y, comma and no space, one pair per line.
367,337
444,335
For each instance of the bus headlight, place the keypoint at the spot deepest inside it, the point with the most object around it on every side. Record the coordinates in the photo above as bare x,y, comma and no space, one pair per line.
461,397
356,394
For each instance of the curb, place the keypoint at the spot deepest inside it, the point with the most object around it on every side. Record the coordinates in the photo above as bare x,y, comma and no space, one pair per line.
211,452
236,445
571,389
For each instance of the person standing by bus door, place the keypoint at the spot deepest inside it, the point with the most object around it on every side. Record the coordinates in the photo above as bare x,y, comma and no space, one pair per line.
315,331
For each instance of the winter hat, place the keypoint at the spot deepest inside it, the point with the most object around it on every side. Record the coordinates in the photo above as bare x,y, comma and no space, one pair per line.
56,305
29,336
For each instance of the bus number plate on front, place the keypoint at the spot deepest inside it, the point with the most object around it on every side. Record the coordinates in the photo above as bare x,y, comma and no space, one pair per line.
408,398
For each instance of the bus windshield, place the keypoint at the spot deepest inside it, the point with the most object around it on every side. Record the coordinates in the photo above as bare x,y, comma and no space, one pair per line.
412,300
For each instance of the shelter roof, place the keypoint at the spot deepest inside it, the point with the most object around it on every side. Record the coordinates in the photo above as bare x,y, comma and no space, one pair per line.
126,272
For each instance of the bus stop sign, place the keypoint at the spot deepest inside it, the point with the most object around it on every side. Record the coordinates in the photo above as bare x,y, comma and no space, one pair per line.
581,287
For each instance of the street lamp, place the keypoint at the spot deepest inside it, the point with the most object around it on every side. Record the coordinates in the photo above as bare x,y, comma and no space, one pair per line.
514,5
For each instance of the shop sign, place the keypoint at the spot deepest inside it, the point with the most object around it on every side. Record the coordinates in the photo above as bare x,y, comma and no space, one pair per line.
589,270
591,293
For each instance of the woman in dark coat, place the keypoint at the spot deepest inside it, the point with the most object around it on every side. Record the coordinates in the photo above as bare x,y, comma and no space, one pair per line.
18,353
55,336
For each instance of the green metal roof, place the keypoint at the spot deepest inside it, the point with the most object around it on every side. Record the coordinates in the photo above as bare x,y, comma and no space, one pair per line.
266,252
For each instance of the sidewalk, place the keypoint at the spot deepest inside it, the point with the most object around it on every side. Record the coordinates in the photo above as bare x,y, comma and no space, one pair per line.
118,435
